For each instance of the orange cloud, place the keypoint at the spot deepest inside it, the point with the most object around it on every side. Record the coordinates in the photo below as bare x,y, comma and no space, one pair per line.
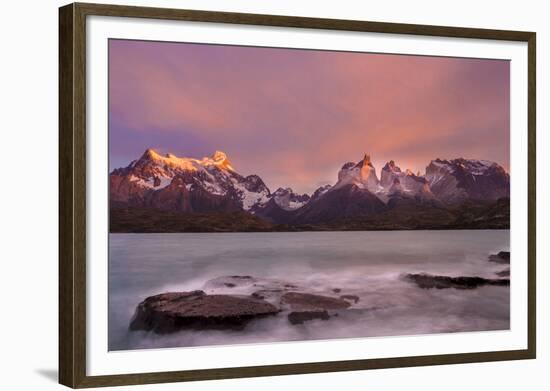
295,116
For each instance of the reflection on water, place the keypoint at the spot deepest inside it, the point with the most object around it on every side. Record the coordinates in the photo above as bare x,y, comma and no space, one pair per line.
366,264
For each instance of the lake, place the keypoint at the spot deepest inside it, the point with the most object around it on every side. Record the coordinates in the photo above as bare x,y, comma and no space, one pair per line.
369,265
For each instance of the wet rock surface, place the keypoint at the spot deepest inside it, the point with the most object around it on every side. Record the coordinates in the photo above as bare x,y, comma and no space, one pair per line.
428,281
503,273
271,295
174,311
299,317
503,257
232,302
297,300
270,290
307,306
253,299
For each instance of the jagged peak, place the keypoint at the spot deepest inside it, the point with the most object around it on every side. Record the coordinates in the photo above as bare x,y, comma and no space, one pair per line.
365,161
391,166
462,163
253,178
283,190
218,159
150,153
219,156
324,187
366,158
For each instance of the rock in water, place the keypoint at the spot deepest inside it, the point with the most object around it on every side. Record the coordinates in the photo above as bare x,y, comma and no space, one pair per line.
502,257
174,311
427,281
307,306
299,317
503,273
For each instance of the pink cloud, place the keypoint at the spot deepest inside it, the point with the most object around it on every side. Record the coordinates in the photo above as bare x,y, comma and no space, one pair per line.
295,116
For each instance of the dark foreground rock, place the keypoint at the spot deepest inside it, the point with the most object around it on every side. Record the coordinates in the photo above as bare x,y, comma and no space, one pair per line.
174,311
270,295
299,317
306,306
427,281
502,257
503,273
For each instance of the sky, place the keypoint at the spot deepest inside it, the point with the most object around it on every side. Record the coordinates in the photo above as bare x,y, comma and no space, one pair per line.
294,116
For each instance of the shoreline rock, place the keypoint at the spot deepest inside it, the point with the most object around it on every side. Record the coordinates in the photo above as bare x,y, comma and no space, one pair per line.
503,257
231,302
428,281
175,311
307,306
503,273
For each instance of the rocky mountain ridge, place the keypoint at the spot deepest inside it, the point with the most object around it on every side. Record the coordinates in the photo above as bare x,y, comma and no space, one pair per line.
212,185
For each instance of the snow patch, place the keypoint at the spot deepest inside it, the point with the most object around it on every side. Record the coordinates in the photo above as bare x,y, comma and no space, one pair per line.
249,198
293,205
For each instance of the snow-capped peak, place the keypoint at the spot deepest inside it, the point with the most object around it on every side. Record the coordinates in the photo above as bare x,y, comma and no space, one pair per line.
458,179
170,160
283,191
151,153
394,180
320,191
391,166
362,174
470,166
219,156
214,175
288,200
365,161
220,159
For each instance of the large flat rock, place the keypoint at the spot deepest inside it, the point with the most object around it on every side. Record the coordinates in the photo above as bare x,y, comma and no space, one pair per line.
174,311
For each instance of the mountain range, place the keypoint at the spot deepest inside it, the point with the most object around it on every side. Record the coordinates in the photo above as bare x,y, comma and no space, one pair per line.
166,193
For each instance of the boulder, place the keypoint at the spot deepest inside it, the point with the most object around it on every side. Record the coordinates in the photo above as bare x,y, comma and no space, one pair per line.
299,317
268,294
306,306
502,257
503,273
428,281
174,311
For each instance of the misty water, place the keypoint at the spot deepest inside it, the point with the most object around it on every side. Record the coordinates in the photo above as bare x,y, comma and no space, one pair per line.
367,264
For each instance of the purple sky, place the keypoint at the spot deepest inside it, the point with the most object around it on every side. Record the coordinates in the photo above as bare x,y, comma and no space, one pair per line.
294,117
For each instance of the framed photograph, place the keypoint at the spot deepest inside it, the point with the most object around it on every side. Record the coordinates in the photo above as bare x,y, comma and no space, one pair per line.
251,195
